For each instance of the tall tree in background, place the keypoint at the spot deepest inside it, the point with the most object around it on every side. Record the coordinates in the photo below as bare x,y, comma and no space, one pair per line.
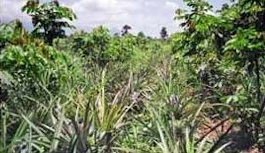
125,29
141,34
49,19
163,33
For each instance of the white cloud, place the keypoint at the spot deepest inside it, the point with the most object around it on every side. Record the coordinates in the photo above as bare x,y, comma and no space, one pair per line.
171,4
11,9
143,15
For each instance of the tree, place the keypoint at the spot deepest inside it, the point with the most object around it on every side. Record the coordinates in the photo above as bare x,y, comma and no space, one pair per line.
141,34
247,43
12,33
198,42
49,19
163,33
125,30
230,43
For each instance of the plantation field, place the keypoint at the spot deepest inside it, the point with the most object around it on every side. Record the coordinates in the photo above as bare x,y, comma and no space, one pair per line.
198,90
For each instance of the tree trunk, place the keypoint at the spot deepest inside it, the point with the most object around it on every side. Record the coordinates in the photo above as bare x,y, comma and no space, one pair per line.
258,84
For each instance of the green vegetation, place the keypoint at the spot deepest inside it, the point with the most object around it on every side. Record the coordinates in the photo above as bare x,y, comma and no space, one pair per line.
200,90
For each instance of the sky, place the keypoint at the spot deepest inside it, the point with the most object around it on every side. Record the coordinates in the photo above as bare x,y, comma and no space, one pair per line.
148,16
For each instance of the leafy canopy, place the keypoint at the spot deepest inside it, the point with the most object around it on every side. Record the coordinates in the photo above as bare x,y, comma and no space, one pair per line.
49,19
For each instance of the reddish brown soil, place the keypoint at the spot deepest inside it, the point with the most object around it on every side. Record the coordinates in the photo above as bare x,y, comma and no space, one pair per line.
214,135
217,132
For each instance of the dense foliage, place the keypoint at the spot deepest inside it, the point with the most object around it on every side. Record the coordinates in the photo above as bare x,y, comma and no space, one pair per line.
49,19
198,90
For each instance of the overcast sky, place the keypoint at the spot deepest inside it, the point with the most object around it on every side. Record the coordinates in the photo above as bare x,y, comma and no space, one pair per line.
148,16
